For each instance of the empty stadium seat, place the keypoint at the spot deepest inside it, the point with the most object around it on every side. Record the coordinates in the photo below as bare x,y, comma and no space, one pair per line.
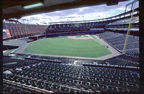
67,78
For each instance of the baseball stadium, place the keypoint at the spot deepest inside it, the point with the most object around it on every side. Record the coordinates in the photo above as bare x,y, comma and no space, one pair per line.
97,55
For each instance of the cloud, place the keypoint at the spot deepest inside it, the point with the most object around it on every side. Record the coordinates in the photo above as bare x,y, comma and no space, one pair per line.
121,8
81,10
83,13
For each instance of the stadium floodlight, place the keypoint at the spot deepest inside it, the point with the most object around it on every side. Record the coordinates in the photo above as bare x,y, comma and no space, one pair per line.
33,5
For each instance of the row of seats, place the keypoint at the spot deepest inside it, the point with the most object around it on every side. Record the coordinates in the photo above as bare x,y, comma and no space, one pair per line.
17,63
67,78
125,21
75,26
116,40
23,30
124,60
123,29
9,89
123,24
129,59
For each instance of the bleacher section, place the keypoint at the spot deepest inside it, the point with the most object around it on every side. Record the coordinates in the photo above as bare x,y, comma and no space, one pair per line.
25,30
117,41
131,58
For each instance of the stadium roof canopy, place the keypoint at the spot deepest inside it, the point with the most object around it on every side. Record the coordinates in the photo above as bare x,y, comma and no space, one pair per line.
19,8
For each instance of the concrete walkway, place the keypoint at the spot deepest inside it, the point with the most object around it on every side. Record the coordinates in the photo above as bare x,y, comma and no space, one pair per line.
21,49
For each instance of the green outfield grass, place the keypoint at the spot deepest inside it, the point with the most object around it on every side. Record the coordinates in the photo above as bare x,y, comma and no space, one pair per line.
8,52
65,46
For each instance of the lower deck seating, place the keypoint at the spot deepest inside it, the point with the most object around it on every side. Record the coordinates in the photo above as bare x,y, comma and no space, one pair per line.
63,78
116,40
9,89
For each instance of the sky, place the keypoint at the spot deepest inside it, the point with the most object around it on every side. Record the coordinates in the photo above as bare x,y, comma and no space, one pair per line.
77,14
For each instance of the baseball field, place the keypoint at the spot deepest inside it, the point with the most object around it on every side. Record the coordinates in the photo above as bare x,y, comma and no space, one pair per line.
75,46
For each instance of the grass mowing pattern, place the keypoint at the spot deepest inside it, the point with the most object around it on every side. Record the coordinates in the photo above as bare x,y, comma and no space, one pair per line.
65,46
